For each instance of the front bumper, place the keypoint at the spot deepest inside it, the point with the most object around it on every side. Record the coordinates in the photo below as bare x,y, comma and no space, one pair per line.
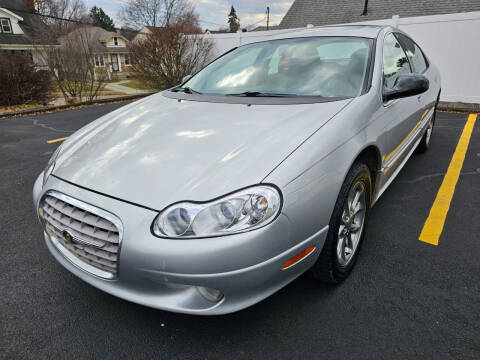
164,274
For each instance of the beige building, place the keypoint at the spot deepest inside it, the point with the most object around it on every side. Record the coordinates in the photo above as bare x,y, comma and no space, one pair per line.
110,51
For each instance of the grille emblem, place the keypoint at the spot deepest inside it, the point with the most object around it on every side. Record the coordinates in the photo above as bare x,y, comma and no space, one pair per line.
67,236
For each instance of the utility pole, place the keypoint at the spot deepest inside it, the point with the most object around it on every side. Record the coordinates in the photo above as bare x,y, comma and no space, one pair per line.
268,16
365,8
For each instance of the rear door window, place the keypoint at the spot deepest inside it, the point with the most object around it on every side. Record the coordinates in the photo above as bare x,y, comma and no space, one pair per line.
414,53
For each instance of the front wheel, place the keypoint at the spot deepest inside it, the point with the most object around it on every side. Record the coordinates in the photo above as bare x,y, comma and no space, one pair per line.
347,227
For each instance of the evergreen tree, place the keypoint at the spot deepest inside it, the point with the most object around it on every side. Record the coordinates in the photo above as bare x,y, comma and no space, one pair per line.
99,18
233,20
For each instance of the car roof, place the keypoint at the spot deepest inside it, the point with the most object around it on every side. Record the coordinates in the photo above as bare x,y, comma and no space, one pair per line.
365,31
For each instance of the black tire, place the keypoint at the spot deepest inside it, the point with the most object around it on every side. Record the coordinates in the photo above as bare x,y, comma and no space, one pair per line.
327,268
424,144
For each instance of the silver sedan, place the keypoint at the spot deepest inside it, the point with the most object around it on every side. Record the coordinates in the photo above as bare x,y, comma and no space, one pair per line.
208,197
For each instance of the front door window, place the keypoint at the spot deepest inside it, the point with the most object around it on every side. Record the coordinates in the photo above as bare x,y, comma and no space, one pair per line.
395,62
114,62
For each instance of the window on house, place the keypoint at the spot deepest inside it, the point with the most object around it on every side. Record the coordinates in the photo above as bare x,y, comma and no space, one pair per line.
99,61
5,27
127,59
115,41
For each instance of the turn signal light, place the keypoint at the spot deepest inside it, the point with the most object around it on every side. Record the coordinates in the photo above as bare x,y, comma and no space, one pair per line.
212,295
298,257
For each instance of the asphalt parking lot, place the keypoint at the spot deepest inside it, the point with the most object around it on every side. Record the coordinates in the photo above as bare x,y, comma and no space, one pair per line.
405,298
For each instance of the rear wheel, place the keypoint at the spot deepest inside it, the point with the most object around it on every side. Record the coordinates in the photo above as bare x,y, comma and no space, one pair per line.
347,227
424,144
427,136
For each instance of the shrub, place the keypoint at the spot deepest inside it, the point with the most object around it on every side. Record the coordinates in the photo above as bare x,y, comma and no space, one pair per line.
165,55
20,83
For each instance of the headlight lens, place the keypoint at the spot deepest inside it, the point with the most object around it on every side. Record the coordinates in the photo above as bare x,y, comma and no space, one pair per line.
241,211
50,165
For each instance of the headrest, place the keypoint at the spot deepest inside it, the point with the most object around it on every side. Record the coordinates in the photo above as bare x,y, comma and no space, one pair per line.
357,61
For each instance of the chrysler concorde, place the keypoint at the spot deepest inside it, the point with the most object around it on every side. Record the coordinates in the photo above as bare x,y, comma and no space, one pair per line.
210,196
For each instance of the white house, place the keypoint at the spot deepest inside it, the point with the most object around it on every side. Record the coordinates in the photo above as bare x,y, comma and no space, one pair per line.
142,34
18,27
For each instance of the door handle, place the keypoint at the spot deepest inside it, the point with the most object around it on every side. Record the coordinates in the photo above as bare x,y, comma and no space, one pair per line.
419,97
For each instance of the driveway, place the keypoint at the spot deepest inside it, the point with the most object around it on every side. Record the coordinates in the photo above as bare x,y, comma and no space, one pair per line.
405,298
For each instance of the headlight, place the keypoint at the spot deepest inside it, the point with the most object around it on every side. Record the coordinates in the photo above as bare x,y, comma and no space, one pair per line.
241,211
50,165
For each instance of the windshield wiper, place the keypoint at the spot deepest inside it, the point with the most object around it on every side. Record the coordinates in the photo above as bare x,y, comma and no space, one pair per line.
260,94
186,90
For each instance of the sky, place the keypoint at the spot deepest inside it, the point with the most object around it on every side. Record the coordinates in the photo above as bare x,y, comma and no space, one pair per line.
214,13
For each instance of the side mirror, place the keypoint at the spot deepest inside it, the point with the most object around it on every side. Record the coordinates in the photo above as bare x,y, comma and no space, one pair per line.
186,78
406,85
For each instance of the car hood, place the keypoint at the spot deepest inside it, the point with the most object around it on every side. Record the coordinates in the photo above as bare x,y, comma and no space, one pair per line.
158,150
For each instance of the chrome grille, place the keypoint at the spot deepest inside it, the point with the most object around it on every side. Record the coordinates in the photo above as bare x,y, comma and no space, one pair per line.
84,231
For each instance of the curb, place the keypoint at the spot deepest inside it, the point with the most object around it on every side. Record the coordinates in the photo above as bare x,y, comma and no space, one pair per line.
458,107
65,107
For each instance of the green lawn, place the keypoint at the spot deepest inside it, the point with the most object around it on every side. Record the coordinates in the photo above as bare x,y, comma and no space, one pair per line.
136,84
103,92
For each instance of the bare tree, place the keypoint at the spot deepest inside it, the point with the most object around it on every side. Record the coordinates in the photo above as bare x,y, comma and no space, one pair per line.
165,55
139,13
61,17
72,65
62,9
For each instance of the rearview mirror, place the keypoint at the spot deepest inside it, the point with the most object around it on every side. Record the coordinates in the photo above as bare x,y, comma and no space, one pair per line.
186,78
406,85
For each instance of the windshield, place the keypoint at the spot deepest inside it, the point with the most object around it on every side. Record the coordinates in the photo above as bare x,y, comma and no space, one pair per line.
314,66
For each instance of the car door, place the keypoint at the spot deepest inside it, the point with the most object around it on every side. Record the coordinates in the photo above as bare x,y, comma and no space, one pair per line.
401,115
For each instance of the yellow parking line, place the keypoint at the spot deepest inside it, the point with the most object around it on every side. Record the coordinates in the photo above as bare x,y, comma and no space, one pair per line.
57,140
433,227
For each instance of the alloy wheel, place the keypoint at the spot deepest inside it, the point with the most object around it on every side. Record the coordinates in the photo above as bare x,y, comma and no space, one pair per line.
351,223
429,132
